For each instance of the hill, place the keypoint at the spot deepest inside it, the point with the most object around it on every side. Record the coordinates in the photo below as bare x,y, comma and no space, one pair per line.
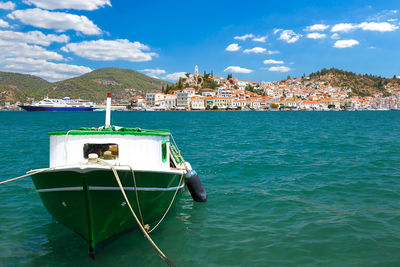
92,86
361,84
18,87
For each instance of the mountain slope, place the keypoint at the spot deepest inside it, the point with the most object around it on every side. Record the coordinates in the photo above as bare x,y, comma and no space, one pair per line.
22,84
93,86
361,85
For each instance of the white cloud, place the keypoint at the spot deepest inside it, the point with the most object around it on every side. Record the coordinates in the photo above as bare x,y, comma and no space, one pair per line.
344,27
316,35
7,5
277,30
70,4
289,36
255,50
15,49
107,50
4,24
345,43
33,37
273,52
273,61
378,26
175,76
237,69
244,37
260,39
335,36
155,73
279,69
316,27
232,48
43,68
59,21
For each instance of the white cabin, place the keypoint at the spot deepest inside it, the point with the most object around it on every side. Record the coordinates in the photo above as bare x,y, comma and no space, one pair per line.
140,149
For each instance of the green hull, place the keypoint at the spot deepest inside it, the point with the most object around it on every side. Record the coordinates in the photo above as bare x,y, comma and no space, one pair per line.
90,202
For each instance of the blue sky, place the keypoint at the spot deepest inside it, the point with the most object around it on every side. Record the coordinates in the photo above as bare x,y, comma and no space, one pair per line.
253,40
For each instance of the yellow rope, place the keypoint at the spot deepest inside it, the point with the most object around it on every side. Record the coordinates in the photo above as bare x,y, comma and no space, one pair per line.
136,193
157,249
170,204
23,176
141,225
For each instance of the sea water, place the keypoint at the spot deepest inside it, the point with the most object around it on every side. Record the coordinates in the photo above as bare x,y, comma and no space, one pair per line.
284,188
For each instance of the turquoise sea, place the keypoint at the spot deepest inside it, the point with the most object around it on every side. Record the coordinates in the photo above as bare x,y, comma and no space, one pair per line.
285,189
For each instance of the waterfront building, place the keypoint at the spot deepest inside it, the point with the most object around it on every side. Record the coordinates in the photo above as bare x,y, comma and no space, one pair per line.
236,103
151,98
170,101
223,102
183,100
197,103
209,102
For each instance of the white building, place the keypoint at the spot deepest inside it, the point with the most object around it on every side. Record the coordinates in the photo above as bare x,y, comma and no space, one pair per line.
152,98
208,92
170,101
183,100
189,91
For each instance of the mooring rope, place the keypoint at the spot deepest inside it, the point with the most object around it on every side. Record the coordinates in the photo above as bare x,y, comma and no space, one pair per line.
140,224
156,248
136,193
170,204
26,175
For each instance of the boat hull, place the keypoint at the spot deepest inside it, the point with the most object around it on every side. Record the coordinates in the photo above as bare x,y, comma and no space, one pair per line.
37,108
90,202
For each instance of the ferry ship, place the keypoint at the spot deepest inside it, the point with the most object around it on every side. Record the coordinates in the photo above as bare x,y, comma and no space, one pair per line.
64,104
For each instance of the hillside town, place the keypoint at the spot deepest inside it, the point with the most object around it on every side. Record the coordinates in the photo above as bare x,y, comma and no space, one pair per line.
199,92
290,94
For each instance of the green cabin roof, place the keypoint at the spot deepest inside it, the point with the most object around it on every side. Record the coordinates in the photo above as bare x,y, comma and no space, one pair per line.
113,131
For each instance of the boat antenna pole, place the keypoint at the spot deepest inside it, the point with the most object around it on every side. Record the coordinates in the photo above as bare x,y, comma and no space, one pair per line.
108,111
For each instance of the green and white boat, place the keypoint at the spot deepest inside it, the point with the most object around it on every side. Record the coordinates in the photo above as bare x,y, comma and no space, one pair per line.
81,187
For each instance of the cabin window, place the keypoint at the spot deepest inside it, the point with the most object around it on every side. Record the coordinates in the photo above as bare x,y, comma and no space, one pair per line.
104,151
164,151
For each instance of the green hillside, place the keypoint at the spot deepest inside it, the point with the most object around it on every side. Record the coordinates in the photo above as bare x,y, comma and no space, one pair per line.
21,86
11,94
123,83
93,86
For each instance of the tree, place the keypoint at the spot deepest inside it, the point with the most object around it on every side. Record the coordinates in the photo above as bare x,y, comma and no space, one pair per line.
249,88
229,76
187,74
274,106
215,107
330,106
